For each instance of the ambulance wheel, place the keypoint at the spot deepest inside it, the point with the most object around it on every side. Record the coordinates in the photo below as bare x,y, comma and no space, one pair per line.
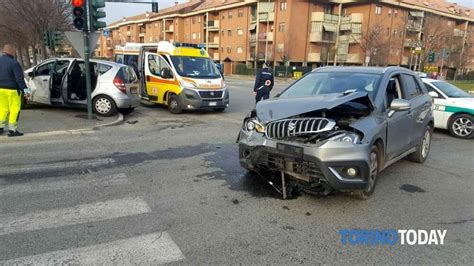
173,104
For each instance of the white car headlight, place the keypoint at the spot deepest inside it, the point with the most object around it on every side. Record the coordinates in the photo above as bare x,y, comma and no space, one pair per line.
187,84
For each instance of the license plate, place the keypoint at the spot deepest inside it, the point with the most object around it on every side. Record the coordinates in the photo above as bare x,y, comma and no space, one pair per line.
290,150
133,90
212,103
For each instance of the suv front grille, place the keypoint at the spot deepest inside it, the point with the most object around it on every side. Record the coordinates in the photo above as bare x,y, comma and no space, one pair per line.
300,126
276,162
210,94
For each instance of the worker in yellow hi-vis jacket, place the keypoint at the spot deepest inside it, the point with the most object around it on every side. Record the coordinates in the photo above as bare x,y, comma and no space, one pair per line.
12,88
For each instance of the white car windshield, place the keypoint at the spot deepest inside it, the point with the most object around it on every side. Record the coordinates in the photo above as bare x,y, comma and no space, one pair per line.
195,67
450,90
333,82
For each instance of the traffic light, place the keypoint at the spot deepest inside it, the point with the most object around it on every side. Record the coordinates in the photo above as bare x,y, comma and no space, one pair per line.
97,14
431,57
79,13
46,39
154,7
56,38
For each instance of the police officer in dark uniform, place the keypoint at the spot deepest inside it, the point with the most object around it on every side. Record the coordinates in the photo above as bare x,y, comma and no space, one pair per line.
263,84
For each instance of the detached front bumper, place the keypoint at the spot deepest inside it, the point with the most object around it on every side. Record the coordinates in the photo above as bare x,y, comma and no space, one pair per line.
321,163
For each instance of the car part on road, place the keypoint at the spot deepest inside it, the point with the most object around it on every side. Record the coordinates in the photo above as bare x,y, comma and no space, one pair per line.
461,126
104,106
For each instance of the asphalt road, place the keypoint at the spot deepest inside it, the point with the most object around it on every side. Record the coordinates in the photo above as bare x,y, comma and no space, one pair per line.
165,188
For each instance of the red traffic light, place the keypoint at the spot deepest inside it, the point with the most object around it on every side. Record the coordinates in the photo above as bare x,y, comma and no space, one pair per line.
78,3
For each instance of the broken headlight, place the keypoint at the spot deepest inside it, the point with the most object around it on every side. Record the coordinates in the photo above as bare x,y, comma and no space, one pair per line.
346,137
252,124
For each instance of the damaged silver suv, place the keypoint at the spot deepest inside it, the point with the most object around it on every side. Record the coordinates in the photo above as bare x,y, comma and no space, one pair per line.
337,128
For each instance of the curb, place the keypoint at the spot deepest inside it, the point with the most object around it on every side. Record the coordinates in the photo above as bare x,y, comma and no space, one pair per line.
120,119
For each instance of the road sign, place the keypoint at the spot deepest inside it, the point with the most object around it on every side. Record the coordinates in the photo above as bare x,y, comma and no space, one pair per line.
106,32
76,38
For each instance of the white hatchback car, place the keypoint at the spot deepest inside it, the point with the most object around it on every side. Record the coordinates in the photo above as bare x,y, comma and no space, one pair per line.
62,81
453,108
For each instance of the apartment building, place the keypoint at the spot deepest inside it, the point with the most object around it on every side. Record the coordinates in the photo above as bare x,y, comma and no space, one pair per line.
310,32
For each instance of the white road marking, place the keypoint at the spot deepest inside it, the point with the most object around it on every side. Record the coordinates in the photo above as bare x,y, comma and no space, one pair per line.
54,165
86,213
150,249
41,185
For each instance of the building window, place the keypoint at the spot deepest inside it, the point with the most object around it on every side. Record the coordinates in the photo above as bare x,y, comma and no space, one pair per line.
241,13
280,47
229,32
156,25
229,15
316,27
229,49
222,33
193,20
394,32
283,5
199,19
223,16
395,12
239,49
194,36
344,11
281,27
240,32
389,11
199,35
378,10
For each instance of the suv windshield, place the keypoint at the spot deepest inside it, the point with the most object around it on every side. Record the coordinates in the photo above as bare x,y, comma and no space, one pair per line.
450,90
195,67
318,83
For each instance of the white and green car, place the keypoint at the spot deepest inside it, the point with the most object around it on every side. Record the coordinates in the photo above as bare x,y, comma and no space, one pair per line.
453,108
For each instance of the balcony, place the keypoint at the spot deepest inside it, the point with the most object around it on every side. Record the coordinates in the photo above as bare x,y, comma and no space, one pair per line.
413,25
214,43
264,36
253,38
410,43
314,57
405,60
458,33
357,17
353,58
320,37
264,17
321,17
212,25
355,38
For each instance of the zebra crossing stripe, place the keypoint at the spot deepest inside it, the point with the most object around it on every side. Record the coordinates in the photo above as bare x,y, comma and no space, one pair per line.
54,166
86,213
41,185
156,248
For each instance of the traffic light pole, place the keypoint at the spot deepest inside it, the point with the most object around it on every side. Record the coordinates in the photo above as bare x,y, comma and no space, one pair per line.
87,29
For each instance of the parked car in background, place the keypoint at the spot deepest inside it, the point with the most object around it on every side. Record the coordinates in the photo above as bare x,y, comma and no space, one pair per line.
453,108
337,128
62,81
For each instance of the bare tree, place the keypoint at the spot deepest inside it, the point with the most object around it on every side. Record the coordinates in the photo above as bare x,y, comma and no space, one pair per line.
436,36
375,44
23,22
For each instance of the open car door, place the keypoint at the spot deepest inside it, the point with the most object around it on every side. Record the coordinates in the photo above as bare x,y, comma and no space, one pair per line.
39,82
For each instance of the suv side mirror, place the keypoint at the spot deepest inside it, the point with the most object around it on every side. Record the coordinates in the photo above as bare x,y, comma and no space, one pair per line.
31,74
400,105
433,94
166,73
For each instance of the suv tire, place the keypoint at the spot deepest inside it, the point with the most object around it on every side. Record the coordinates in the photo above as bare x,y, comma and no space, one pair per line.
375,164
424,146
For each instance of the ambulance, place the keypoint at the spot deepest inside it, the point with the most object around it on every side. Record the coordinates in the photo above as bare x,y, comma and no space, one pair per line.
182,77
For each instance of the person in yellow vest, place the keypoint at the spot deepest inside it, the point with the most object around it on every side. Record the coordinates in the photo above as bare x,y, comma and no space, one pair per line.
12,88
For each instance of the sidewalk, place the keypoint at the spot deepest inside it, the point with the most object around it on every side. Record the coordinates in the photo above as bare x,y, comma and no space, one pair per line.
56,120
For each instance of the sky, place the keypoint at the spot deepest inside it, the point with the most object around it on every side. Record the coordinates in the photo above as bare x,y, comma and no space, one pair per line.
116,11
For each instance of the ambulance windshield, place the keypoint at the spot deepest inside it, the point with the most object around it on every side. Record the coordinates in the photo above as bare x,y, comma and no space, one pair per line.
195,67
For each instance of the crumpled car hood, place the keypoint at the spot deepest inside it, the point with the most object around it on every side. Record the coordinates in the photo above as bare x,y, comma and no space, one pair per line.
279,108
